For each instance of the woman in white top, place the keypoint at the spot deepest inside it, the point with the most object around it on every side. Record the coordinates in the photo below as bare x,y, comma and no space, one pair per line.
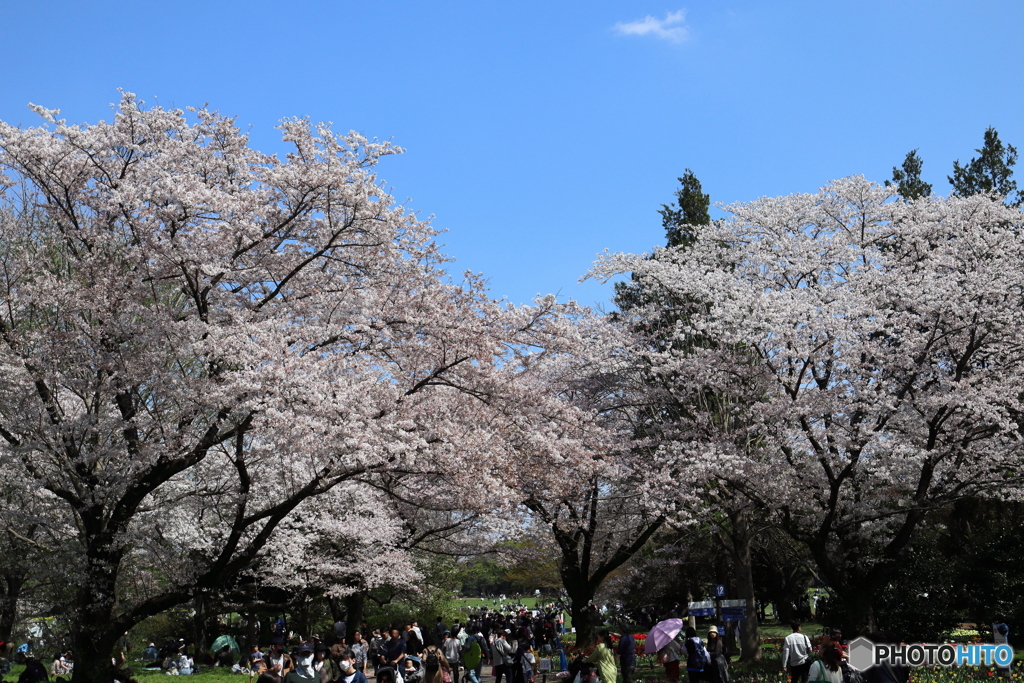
826,669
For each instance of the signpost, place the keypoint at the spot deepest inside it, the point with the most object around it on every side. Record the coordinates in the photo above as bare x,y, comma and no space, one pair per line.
719,590
704,608
734,610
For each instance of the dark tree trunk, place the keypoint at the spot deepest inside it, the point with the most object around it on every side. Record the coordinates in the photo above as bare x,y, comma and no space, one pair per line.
858,605
93,631
750,632
355,608
93,655
584,620
251,637
11,587
337,606
199,627
855,584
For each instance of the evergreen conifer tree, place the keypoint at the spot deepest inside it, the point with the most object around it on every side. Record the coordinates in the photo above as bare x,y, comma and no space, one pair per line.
691,208
908,179
991,171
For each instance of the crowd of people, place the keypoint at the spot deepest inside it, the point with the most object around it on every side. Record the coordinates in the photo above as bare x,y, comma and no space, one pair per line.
708,661
705,661
512,645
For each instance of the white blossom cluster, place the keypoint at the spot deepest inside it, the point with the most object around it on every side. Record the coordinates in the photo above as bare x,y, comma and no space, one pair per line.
218,364
845,359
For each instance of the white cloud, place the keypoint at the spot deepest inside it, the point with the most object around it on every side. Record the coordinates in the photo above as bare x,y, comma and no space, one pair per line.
671,28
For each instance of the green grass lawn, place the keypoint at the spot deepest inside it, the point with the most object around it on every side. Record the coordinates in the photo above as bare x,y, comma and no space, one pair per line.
209,674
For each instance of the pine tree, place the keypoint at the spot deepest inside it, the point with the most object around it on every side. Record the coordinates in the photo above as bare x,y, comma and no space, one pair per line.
908,179
991,171
691,208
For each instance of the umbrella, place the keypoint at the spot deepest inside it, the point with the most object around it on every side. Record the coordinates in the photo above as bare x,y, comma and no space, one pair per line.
229,641
662,633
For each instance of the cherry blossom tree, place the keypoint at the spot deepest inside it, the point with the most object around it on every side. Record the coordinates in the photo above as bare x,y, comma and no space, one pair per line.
595,509
863,360
197,339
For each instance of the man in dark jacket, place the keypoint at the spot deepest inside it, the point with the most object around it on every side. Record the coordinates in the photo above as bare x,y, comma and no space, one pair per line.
626,652
394,651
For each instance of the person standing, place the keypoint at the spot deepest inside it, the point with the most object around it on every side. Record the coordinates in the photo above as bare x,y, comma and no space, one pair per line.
394,651
603,659
413,640
253,661
472,658
828,668
503,652
349,672
415,626
325,668
626,651
452,650
1001,636
719,664
279,662
697,657
359,651
303,663
668,657
520,670
374,651
796,655
435,664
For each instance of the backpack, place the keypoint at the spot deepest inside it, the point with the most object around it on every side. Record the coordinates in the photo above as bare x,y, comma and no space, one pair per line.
432,662
700,660
473,655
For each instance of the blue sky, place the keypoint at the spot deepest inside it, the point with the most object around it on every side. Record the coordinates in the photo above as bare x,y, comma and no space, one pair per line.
540,133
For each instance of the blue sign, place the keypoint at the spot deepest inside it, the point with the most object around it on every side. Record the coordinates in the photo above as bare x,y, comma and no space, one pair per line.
705,608
734,610
719,590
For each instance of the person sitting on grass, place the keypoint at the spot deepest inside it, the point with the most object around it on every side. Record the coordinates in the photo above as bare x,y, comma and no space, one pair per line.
224,657
59,667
